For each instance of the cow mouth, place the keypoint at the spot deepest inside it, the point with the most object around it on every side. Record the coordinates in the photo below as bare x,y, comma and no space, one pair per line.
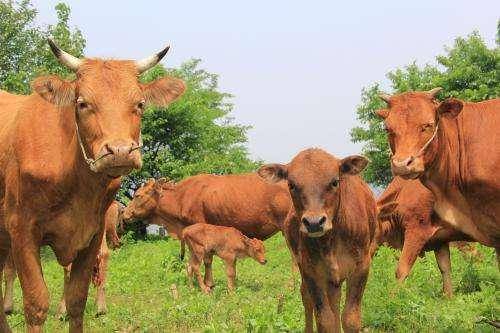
410,175
316,234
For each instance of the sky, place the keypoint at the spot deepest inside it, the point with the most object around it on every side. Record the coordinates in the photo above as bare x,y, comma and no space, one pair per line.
296,68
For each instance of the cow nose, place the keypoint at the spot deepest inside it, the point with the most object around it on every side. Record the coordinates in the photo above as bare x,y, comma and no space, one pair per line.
119,148
314,223
403,163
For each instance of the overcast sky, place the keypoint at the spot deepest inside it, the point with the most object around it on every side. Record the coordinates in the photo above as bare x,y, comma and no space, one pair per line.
296,68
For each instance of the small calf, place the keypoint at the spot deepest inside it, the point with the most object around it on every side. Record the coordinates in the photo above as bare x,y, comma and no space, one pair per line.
205,240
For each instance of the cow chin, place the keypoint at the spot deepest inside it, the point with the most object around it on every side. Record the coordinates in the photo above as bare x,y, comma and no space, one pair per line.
116,166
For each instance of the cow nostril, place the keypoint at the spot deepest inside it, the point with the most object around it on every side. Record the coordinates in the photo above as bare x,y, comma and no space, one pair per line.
409,161
109,149
305,221
322,220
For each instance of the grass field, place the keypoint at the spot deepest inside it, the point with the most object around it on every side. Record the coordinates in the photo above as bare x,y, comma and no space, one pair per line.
142,273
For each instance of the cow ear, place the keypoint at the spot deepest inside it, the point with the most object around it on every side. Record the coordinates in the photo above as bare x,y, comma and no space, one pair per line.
55,90
382,113
386,210
163,91
450,108
352,165
273,173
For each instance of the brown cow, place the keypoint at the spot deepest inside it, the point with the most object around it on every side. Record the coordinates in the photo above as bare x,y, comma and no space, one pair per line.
330,231
63,150
111,219
244,202
409,223
453,148
206,240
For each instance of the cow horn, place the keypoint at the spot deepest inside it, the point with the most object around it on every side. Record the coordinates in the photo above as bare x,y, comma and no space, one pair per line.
146,63
65,58
433,92
386,98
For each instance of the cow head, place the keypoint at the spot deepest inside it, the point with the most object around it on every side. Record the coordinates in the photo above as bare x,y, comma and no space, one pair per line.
411,122
145,199
256,250
314,179
108,101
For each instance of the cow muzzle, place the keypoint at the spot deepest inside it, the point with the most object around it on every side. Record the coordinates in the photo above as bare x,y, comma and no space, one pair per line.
118,158
315,225
407,168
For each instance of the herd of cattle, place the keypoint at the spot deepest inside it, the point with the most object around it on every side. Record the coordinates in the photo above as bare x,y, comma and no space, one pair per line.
65,147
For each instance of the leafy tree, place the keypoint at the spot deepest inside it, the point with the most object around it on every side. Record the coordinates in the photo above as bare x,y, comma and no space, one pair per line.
469,70
24,52
193,135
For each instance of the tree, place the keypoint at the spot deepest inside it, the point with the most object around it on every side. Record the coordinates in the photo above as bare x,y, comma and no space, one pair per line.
24,53
193,135
469,70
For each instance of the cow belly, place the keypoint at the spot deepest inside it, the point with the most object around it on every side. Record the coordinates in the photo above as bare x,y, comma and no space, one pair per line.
467,222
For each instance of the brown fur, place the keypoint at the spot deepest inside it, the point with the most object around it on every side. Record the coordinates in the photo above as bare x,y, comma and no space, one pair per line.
460,164
49,195
99,272
244,202
411,225
206,240
322,185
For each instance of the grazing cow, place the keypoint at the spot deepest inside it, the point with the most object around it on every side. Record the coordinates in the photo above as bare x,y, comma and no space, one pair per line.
244,202
330,231
409,223
453,148
64,148
206,240
111,220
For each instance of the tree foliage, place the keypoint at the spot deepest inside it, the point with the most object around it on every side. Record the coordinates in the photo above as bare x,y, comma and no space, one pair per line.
194,134
24,53
468,70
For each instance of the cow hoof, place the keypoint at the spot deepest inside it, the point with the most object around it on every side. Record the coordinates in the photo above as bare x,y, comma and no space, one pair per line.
101,312
8,311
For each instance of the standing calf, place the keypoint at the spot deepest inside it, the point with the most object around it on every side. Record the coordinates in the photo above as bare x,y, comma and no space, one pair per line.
205,240
330,231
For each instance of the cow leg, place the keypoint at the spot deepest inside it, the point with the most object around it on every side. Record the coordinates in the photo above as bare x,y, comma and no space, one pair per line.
209,279
413,244
194,264
77,288
61,309
497,251
308,308
443,260
231,273
26,255
10,275
334,293
351,316
101,278
322,311
4,326
183,249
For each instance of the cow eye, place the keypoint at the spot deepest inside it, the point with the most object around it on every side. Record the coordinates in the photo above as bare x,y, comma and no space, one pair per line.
334,183
140,106
387,129
81,104
426,127
292,186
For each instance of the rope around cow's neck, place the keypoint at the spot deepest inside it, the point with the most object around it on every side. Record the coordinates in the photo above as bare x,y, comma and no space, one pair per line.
90,161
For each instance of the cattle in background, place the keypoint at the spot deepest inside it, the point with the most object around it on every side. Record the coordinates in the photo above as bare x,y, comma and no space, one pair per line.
111,220
453,148
331,233
64,148
410,224
206,240
245,202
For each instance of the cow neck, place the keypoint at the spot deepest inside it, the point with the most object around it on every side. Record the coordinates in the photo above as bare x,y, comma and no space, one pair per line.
444,171
167,206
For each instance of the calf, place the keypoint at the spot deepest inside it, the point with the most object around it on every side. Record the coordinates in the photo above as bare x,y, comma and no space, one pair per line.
330,231
409,223
205,240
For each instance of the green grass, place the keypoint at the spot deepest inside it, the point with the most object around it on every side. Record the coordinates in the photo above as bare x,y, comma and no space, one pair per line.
142,273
